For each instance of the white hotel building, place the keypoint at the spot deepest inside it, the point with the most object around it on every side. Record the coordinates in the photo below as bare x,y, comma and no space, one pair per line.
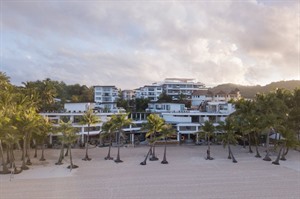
105,97
173,87
151,92
206,106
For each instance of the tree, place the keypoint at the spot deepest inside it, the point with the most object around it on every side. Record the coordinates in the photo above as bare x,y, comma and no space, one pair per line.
153,126
272,113
141,104
8,132
107,129
229,137
6,136
294,114
45,127
208,129
68,137
26,122
119,121
89,118
167,130
165,98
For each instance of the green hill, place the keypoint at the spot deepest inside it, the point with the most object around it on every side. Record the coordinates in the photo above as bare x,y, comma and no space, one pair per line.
250,91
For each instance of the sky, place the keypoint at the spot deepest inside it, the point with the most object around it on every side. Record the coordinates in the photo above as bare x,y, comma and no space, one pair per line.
130,44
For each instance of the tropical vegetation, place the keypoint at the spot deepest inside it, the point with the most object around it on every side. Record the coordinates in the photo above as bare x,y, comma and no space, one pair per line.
273,115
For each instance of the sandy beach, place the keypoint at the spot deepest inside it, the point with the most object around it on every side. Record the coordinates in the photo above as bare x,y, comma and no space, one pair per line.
188,175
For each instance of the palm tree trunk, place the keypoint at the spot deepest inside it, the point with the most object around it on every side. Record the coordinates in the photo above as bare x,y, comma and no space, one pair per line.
231,154
4,165
249,140
244,141
67,152
229,150
118,160
164,161
15,170
61,155
71,160
71,166
286,151
108,157
7,155
267,157
86,158
208,157
43,149
256,147
153,157
24,167
28,162
283,153
145,160
276,162
35,151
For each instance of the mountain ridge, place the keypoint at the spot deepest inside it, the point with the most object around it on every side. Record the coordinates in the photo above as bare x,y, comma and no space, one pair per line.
250,91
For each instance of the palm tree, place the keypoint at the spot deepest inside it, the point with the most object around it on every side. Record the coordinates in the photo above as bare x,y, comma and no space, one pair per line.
153,126
5,123
8,132
119,121
208,129
26,122
244,114
107,130
45,128
167,130
272,113
229,137
4,127
89,118
68,137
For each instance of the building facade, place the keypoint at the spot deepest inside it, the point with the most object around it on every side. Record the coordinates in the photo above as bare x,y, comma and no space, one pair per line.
175,87
151,92
105,97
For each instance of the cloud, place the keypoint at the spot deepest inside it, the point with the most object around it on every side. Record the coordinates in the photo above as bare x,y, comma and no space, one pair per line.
130,44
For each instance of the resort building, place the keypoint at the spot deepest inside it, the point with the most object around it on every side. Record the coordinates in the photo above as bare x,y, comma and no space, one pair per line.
206,106
165,107
177,86
151,92
188,122
128,95
201,97
106,97
74,113
173,87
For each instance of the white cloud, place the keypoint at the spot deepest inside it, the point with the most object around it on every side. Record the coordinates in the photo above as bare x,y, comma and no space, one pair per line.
129,44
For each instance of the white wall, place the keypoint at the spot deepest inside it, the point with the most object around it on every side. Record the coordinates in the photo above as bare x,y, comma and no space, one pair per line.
78,106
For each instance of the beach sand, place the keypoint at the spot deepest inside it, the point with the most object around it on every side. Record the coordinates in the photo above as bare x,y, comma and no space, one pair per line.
188,175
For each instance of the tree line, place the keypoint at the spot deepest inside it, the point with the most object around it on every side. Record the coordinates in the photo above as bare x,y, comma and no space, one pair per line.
275,113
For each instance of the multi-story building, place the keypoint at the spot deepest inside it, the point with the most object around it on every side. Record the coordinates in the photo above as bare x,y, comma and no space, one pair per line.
151,92
128,94
105,97
165,107
189,122
173,87
177,86
201,97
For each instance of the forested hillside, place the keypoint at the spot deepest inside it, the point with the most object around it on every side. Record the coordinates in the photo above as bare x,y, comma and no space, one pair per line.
250,91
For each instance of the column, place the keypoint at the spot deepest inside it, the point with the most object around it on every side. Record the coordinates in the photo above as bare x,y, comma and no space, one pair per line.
132,139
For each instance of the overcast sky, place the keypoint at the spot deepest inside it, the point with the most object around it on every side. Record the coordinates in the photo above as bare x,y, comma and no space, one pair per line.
133,43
